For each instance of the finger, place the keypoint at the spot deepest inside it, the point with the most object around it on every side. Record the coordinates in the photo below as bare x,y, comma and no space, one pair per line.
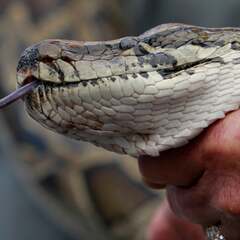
166,226
193,204
212,201
181,166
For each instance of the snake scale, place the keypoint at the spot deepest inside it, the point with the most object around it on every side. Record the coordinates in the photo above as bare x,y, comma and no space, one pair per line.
135,95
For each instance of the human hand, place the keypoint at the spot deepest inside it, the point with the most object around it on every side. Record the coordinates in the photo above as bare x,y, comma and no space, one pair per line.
202,180
167,226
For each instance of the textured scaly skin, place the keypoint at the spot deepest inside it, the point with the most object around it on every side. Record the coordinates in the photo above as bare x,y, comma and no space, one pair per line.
135,95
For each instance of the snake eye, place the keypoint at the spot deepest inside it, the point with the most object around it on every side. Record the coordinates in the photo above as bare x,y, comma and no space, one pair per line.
127,43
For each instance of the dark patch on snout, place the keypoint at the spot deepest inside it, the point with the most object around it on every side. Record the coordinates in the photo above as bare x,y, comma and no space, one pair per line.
29,58
162,59
158,59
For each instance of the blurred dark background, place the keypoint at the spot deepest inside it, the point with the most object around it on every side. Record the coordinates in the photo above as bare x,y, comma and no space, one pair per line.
55,188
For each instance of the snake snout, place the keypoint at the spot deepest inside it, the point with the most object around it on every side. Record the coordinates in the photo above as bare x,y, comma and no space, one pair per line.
27,68
29,58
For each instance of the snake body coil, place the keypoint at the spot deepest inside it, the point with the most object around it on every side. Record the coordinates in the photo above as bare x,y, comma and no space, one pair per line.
136,95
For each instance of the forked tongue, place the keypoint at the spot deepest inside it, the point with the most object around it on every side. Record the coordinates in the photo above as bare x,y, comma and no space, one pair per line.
19,93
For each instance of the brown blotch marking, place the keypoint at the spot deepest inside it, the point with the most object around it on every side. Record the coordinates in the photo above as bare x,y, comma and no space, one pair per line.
218,59
141,61
71,56
220,43
83,50
47,90
127,43
190,71
170,72
58,42
59,71
94,82
235,45
96,49
139,51
134,75
144,74
177,44
46,59
76,73
159,71
143,50
66,58
236,61
40,93
84,83
51,71
162,59
31,99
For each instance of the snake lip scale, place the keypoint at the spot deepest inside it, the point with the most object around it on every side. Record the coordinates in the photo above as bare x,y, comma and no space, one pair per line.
135,95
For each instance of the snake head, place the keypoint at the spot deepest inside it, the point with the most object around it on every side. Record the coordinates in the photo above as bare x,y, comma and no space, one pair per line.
135,95
78,84
89,91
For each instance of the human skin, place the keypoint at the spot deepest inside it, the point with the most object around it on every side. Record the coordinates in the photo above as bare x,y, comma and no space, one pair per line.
202,180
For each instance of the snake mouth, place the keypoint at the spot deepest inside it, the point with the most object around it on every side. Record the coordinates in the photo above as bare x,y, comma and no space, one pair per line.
26,76
29,80
27,87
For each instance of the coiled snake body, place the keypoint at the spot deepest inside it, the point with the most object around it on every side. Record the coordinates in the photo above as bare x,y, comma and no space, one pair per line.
136,95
